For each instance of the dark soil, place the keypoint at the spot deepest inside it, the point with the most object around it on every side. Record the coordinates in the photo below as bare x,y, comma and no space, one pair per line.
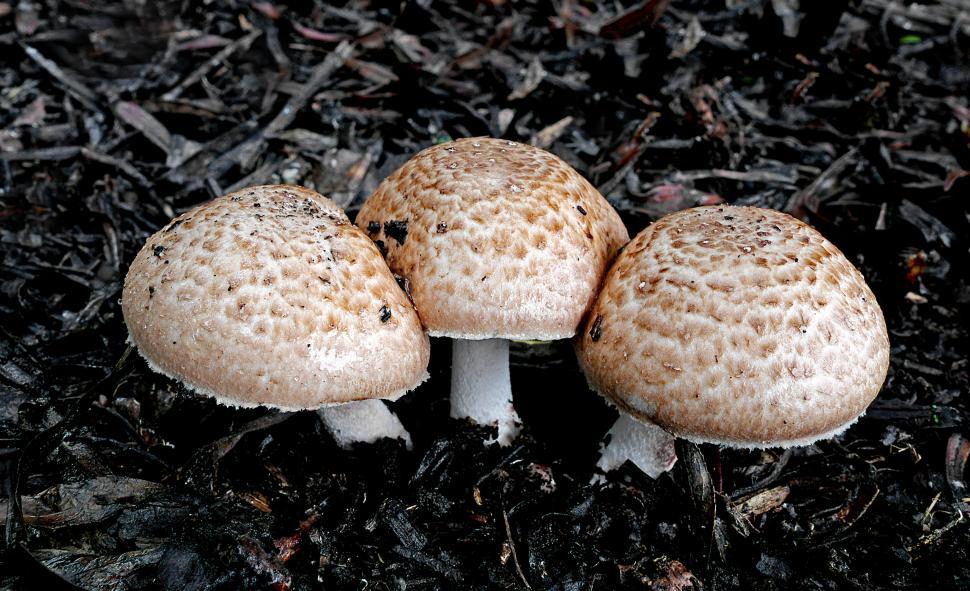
116,115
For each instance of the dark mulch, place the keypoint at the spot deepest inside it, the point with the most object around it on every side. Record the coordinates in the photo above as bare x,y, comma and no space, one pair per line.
116,115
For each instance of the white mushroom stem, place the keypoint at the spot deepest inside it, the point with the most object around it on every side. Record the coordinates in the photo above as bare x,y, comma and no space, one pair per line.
648,446
363,421
481,389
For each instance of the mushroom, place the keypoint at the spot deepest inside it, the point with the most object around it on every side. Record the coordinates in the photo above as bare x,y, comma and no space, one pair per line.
497,241
738,326
271,297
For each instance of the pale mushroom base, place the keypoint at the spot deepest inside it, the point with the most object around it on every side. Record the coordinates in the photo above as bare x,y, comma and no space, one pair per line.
481,387
645,444
364,421
651,448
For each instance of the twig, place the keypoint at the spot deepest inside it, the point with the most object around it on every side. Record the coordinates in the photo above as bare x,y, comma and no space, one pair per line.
125,168
957,453
333,62
776,470
261,175
247,150
212,62
44,154
756,176
701,490
935,535
74,86
177,148
807,200
849,523
544,137
642,16
515,555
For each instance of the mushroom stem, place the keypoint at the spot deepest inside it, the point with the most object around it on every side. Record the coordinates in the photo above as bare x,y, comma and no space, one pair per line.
481,389
363,421
645,444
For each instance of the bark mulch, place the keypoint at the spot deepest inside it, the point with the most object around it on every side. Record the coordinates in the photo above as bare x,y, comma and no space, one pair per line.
117,115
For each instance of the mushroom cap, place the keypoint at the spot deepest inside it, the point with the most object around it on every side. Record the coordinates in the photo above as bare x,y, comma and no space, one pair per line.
739,326
270,296
497,239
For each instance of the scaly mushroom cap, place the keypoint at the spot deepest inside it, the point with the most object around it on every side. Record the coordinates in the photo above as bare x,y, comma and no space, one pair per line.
270,296
497,239
736,325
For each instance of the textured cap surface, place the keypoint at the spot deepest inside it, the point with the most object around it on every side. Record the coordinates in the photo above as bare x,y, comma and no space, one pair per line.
736,325
497,239
270,296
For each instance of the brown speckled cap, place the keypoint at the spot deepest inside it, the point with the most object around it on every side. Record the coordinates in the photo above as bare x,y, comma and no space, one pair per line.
497,239
736,325
270,296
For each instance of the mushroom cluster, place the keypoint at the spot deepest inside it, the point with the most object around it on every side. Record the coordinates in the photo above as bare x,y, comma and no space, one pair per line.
732,325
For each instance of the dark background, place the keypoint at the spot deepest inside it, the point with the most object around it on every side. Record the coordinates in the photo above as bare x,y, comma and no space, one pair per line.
115,116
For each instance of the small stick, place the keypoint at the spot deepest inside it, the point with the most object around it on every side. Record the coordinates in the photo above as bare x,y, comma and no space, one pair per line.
212,62
515,555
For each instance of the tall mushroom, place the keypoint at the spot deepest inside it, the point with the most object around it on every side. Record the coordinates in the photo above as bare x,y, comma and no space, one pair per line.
732,325
271,297
498,240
